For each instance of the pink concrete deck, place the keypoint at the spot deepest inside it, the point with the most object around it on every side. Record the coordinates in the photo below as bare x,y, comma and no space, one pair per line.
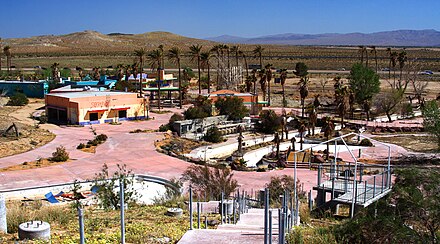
135,150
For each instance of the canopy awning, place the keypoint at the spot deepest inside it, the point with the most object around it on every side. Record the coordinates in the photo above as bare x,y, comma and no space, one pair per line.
97,110
124,108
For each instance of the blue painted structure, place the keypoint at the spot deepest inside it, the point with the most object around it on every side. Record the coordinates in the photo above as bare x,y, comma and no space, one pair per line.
29,88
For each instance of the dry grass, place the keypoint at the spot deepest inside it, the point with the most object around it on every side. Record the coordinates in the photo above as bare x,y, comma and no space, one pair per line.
39,163
412,142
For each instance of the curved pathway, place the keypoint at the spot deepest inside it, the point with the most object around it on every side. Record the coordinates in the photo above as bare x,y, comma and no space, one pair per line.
137,151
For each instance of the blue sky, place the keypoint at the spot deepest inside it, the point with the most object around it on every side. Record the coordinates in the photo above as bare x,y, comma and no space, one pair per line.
207,18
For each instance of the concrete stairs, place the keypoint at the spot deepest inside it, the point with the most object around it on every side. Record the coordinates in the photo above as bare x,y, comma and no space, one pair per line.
248,230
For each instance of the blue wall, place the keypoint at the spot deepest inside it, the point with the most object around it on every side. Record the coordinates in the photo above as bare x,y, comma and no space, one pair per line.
30,89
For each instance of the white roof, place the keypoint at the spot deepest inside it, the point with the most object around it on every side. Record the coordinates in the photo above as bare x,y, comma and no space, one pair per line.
88,94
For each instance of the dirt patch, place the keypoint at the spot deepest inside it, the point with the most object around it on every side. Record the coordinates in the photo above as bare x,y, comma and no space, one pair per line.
39,163
412,142
31,135
177,145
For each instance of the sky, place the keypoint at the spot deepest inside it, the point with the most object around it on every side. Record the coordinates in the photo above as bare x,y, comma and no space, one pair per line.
207,18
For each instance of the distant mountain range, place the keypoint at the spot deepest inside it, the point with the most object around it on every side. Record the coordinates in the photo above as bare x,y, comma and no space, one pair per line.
385,38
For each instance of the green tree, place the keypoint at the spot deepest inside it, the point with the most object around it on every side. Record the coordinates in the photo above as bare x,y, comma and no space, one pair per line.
269,122
174,54
233,107
201,109
364,83
431,119
301,69
413,216
195,51
213,135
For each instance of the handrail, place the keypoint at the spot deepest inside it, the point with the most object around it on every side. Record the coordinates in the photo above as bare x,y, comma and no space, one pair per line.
148,178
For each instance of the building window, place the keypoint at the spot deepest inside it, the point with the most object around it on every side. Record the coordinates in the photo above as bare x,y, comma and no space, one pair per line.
122,113
93,116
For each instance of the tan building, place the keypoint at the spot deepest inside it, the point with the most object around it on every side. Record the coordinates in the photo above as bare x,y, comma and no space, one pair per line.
249,99
94,107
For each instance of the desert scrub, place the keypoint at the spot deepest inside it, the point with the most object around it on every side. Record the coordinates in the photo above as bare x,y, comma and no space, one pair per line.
60,155
18,213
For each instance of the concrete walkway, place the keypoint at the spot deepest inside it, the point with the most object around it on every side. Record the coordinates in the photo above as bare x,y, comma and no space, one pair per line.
137,151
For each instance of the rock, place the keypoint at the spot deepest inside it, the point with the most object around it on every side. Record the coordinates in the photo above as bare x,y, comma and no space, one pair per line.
213,222
163,240
318,159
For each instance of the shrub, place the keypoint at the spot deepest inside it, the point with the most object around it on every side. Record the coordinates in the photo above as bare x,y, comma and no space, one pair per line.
195,113
81,146
93,142
210,182
60,155
279,184
109,198
43,119
233,107
18,99
101,138
213,135
164,128
366,143
269,122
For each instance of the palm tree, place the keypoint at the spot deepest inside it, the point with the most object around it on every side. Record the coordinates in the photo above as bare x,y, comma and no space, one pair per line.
262,75
174,55
80,73
269,75
341,102
160,48
313,118
366,56
140,54
248,83
7,52
303,91
195,51
393,59
245,62
329,127
235,50
205,58
258,50
389,63
155,58
120,72
361,51
402,58
217,49
301,129
55,72
283,77
374,51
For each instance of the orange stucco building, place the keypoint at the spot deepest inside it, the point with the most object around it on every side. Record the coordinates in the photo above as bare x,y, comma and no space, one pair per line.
249,99
94,107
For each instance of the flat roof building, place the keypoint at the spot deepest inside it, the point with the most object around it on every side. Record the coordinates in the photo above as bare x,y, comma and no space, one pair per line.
94,107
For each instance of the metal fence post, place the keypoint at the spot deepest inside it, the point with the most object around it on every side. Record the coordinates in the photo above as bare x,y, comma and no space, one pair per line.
190,209
121,195
266,215
374,186
81,226
198,215
270,226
